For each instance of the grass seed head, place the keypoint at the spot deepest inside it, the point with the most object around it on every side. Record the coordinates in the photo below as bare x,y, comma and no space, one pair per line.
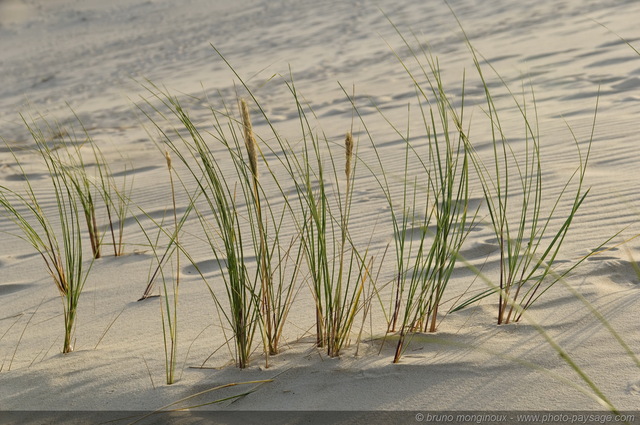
168,158
249,140
349,153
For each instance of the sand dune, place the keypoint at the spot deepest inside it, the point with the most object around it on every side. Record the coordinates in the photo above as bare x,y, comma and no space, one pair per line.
97,56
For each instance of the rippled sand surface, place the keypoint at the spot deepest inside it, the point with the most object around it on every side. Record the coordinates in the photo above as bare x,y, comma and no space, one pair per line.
95,57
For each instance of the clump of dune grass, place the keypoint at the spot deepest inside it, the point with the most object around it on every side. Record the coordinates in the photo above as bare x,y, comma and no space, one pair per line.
434,205
241,290
528,246
314,232
243,293
237,220
274,254
438,249
337,268
219,199
528,242
54,234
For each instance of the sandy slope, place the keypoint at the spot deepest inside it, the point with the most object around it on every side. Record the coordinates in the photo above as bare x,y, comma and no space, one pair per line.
94,56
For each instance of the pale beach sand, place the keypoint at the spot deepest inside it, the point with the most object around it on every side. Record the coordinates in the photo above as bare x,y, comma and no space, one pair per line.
95,56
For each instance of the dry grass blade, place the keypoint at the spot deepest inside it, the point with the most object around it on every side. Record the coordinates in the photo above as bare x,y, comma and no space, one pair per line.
163,409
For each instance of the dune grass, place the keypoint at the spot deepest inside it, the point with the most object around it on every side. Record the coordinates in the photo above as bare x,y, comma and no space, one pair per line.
220,198
55,236
528,242
257,297
338,269
243,223
528,254
434,204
